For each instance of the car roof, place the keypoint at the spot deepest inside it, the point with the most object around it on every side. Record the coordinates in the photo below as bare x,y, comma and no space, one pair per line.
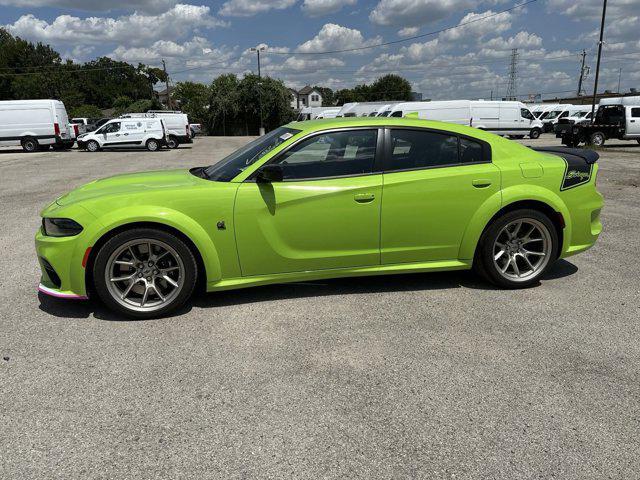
309,126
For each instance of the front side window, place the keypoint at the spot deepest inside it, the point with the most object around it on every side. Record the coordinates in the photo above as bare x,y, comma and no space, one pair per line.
524,113
333,154
111,127
234,164
635,112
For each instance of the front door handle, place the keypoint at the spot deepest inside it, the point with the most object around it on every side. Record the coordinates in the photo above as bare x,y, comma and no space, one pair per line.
364,197
481,182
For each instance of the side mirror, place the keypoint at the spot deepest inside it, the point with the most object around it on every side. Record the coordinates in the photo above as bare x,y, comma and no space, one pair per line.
270,173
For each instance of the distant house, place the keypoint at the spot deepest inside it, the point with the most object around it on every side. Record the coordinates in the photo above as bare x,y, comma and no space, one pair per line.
306,97
164,98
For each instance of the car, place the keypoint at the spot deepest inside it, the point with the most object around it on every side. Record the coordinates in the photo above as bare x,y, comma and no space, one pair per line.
322,199
149,133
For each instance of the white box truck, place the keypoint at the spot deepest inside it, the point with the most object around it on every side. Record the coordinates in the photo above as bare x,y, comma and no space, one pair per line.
35,125
499,117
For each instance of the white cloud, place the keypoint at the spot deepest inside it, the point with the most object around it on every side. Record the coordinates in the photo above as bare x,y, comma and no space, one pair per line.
134,29
409,13
408,32
592,9
474,26
247,8
316,8
151,6
336,37
520,40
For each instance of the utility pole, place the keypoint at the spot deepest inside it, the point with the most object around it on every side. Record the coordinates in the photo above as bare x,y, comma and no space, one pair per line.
619,78
595,85
512,88
582,72
166,81
258,49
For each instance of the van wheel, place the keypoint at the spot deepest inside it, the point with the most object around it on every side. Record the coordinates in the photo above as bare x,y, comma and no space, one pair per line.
30,145
92,146
597,139
152,145
517,248
173,142
144,273
534,133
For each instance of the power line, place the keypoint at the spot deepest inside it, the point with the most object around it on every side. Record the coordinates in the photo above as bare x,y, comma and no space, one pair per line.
408,39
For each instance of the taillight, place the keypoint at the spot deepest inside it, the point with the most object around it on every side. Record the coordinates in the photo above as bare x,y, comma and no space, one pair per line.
76,130
56,129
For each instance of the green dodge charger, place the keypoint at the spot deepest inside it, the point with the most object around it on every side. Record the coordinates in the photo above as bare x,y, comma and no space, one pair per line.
323,199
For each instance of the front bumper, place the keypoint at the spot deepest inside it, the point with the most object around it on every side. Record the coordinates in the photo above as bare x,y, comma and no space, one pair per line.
52,292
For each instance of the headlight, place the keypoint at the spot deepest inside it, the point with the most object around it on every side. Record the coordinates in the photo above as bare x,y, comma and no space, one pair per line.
60,227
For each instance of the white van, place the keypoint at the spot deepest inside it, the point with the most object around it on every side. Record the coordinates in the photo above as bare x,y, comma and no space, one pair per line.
176,123
502,118
311,113
551,116
35,125
361,109
149,133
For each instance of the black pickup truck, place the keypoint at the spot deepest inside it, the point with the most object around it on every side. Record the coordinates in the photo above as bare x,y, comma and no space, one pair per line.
617,121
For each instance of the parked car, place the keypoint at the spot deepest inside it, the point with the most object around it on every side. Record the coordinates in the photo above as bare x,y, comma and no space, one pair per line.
322,199
176,122
615,118
35,124
195,128
502,118
149,133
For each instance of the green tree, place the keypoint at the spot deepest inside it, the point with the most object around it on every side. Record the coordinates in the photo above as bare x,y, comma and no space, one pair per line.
265,98
85,111
328,97
194,100
391,87
224,108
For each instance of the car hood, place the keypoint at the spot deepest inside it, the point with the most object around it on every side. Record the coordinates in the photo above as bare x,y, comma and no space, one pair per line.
131,183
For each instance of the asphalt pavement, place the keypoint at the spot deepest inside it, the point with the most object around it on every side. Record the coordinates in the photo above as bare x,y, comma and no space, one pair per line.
412,376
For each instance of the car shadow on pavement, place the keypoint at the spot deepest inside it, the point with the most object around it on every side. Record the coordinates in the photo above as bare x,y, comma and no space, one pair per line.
284,291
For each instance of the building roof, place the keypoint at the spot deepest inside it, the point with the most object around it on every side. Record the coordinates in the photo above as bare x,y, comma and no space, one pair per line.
307,90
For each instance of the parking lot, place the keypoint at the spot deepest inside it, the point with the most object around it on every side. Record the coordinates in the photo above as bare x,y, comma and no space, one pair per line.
413,376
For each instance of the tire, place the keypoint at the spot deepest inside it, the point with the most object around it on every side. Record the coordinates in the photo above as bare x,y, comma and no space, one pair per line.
30,145
173,142
152,145
534,133
92,146
522,270
150,290
597,139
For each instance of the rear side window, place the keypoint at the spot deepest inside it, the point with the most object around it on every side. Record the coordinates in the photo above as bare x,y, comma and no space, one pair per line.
415,149
331,154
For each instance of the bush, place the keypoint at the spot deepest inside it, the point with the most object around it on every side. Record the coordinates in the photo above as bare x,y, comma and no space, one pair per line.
85,111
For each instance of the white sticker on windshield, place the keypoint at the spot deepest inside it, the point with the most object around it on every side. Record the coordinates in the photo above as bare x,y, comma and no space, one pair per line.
286,136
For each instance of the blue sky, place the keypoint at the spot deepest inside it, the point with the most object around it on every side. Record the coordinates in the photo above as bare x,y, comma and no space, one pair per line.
202,39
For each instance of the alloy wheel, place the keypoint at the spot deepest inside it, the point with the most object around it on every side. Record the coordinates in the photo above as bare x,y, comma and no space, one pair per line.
144,275
522,249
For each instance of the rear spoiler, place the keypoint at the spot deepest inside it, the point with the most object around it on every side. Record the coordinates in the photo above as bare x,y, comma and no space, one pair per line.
588,156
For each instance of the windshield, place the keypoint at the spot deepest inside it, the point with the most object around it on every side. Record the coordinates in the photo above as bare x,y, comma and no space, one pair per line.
552,115
231,166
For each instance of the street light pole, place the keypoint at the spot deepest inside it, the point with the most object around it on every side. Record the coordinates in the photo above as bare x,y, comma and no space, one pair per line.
258,50
595,85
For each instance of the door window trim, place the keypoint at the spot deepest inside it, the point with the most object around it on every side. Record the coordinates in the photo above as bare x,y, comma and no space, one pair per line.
386,163
377,159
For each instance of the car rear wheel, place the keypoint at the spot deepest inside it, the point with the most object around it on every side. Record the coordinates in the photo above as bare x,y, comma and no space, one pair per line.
30,145
517,248
534,133
92,146
597,139
144,273
152,145
173,142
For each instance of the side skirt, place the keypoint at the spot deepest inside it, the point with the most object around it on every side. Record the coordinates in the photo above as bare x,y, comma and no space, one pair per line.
243,282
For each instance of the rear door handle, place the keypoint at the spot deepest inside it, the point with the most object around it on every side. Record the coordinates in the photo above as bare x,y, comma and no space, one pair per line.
481,182
364,197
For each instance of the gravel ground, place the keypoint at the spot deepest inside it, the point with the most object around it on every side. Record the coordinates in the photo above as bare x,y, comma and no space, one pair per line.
413,376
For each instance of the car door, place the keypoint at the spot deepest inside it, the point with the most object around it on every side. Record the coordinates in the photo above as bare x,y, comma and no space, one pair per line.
324,214
131,133
633,122
434,182
113,135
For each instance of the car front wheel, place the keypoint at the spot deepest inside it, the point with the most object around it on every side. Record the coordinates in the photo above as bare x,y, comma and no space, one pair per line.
517,248
92,146
144,273
152,145
30,145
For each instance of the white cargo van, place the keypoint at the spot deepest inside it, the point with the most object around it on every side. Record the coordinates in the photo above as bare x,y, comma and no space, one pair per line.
35,124
149,133
502,118
361,109
311,113
176,123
